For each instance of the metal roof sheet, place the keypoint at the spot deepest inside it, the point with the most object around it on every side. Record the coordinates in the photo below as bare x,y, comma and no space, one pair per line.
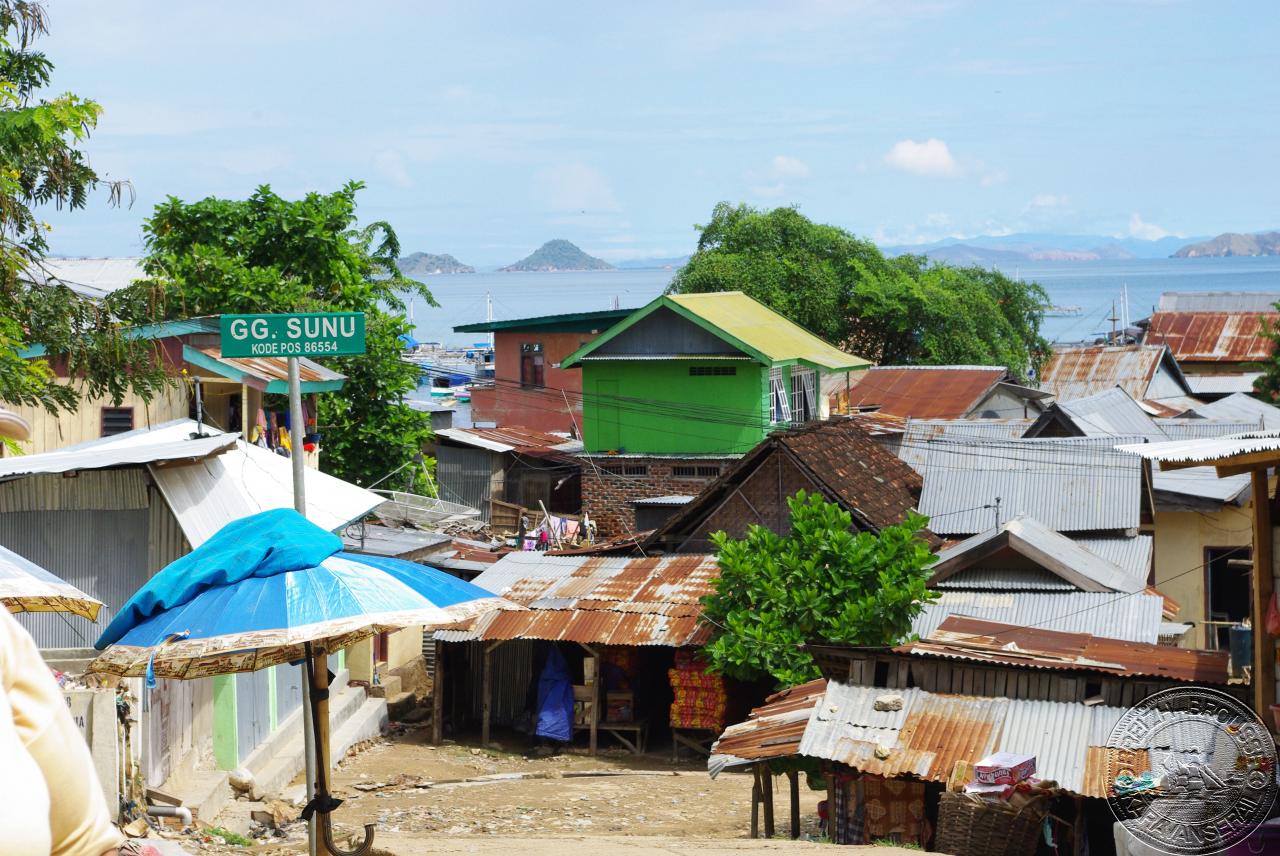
90,277
269,374
1200,483
945,392
1218,301
1131,552
1133,617
1005,579
933,731
597,600
963,638
1244,408
409,544
1076,371
1110,413
1190,428
772,730
1170,405
673,499
1077,484
919,433
1205,450
1047,549
1197,337
571,322
1222,384
511,438
170,448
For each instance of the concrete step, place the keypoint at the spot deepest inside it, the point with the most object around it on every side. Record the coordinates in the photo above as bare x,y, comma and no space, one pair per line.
365,724
389,686
205,792
400,704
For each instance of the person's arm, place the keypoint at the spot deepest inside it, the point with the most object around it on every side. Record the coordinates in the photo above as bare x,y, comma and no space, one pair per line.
78,818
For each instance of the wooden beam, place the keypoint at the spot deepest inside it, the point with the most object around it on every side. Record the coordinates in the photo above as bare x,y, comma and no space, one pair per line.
830,771
1264,675
437,697
793,781
1231,468
766,793
755,802
486,695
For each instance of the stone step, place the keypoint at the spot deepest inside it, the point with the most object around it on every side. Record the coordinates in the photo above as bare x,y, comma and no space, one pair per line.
277,761
389,686
400,704
205,792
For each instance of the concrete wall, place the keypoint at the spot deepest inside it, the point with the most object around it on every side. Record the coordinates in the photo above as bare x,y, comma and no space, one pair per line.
1180,541
94,713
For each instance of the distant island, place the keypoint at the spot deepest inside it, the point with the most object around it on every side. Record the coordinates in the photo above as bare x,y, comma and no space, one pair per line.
672,263
430,264
558,255
1023,247
1233,244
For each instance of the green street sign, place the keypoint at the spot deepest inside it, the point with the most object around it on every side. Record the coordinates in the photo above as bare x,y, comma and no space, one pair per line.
299,334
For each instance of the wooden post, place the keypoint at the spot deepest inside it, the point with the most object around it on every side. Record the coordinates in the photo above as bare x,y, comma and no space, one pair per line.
755,802
793,779
244,413
486,693
595,703
831,803
766,794
320,682
437,697
1264,676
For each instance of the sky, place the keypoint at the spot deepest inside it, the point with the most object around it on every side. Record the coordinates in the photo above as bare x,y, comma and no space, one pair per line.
485,129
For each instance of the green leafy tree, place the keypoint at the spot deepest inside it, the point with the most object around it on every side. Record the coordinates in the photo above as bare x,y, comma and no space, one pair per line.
819,583
41,165
1267,387
269,254
903,310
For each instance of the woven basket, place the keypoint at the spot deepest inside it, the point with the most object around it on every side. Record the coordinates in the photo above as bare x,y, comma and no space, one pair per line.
972,826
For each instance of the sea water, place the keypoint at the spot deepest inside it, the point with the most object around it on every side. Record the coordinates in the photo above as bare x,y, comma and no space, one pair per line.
1091,286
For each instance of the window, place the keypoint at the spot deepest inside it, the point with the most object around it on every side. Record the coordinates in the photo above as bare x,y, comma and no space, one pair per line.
116,420
625,469
804,398
531,365
702,471
779,406
712,371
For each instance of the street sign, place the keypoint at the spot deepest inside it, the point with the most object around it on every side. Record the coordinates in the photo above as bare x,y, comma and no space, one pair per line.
298,334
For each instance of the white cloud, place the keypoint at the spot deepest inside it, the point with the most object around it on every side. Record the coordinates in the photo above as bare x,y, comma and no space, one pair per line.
931,157
1139,228
1046,202
785,166
390,165
576,187
772,181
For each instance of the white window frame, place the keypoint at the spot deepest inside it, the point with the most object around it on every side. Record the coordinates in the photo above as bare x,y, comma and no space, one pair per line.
804,397
779,402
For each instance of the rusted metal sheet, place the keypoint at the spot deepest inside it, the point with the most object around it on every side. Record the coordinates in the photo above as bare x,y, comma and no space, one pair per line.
512,438
771,731
964,638
1210,337
924,392
267,369
596,600
1076,372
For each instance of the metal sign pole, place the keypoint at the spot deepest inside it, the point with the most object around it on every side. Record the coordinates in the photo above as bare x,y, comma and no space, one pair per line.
300,505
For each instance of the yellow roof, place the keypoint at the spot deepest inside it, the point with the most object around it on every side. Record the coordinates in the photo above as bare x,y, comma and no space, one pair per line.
761,329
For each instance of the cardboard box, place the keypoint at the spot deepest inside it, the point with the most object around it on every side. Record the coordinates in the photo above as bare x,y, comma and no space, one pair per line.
1004,768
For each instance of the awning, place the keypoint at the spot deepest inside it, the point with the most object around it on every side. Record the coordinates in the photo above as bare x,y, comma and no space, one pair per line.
269,374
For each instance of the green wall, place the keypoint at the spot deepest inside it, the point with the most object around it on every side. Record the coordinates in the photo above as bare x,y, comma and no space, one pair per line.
661,416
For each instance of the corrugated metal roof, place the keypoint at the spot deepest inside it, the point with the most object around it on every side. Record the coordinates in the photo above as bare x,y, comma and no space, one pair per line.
1110,413
103,454
673,499
1047,549
944,392
772,730
1190,428
90,277
1134,617
1244,408
1198,337
919,433
597,600
269,374
409,544
1131,552
1170,405
1218,301
1077,484
1082,370
1222,384
511,438
1004,579
933,731
1206,450
963,638
1200,483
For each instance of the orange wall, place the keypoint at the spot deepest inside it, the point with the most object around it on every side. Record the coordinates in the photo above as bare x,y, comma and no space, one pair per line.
542,409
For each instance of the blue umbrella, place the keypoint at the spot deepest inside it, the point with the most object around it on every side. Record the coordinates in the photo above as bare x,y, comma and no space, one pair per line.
273,588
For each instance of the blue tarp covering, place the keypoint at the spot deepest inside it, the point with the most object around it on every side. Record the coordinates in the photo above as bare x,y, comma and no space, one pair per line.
261,545
555,700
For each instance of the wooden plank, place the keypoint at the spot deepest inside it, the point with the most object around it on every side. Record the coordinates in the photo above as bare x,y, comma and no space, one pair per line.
755,802
1264,651
486,695
437,697
766,793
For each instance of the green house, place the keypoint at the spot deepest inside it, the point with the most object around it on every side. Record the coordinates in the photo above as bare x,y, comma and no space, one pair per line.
702,374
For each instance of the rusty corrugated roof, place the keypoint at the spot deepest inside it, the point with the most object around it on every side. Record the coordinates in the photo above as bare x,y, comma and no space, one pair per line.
924,392
1198,337
770,731
596,600
964,638
511,438
1077,371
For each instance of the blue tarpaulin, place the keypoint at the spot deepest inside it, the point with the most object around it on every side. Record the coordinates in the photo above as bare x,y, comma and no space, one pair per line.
555,700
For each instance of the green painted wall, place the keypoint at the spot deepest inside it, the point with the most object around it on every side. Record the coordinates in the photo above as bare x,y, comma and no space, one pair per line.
226,751
660,416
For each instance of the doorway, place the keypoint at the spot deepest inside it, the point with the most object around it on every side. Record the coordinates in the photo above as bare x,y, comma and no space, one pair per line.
1228,592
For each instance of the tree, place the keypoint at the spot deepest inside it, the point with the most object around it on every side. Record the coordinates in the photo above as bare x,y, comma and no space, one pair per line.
40,164
269,254
1267,387
891,311
819,583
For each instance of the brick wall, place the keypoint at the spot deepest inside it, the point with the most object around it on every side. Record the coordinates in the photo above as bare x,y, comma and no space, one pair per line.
607,495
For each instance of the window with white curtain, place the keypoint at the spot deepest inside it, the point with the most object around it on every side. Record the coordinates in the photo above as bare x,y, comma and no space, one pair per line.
779,404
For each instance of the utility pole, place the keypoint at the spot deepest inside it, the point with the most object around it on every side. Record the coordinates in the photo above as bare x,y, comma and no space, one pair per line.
1113,318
